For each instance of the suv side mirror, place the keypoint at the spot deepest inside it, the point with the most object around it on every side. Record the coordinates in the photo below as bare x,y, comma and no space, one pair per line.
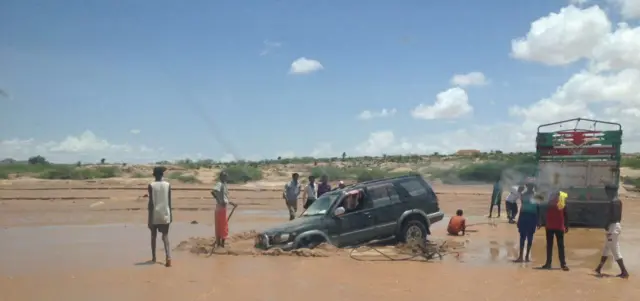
339,211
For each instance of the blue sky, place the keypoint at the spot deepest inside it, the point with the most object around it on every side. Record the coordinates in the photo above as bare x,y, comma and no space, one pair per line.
181,71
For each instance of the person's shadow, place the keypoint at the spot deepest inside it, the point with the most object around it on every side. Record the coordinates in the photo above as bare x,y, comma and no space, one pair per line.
144,263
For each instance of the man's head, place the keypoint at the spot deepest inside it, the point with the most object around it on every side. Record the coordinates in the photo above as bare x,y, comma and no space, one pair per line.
341,184
312,179
295,176
611,190
158,172
529,186
324,179
459,212
223,176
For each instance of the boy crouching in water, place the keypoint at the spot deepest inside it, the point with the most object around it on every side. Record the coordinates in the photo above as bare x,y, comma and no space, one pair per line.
457,224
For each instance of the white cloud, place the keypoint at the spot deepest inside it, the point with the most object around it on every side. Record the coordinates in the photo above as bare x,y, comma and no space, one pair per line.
305,66
134,131
366,114
579,2
610,80
629,9
227,158
474,78
450,104
564,37
324,149
269,46
85,147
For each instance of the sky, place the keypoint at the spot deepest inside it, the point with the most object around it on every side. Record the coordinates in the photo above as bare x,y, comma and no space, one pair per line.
143,81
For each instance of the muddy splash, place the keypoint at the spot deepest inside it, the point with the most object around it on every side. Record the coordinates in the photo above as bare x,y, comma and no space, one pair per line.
242,244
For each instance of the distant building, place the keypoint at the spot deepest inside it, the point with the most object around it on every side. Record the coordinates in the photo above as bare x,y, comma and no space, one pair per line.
467,152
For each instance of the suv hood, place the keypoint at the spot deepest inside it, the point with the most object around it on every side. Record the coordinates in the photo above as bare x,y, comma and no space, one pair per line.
296,225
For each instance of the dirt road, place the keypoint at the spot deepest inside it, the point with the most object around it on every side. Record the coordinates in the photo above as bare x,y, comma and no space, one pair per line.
91,244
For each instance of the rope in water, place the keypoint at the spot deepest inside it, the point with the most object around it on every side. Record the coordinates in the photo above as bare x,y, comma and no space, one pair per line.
426,251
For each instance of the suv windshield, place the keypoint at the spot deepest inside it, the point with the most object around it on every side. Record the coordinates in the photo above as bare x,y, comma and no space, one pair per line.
322,204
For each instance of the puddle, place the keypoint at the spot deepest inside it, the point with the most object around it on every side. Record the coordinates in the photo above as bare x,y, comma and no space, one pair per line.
32,249
583,249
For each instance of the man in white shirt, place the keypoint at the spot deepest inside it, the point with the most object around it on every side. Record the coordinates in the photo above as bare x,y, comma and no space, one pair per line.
310,192
160,215
290,195
512,202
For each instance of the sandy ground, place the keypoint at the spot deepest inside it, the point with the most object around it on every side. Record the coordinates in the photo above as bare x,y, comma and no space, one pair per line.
87,241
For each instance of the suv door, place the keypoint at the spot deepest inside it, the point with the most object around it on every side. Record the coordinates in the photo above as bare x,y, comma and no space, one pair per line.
356,227
387,208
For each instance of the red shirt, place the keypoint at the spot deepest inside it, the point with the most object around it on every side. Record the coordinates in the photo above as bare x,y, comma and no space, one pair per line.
556,218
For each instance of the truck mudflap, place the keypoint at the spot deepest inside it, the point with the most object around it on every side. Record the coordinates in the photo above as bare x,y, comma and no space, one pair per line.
585,214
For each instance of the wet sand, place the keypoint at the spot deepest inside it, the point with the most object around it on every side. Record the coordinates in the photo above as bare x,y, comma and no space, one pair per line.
72,249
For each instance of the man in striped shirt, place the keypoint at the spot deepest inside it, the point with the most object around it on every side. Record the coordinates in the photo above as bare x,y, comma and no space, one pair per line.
160,215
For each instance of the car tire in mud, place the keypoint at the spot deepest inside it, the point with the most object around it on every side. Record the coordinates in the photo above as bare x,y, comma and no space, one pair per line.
310,242
412,231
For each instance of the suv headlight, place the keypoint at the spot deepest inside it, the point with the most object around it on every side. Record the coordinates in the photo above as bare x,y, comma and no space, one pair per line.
282,237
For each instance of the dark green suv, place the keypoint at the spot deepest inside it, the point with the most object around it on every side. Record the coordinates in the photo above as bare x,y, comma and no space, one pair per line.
403,207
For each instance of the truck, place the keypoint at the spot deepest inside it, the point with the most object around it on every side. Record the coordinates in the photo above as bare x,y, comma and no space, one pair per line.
583,155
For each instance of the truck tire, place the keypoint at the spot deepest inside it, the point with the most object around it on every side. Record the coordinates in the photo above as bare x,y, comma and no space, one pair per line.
413,229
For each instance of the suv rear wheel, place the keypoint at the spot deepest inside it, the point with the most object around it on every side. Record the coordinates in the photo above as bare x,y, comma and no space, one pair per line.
413,231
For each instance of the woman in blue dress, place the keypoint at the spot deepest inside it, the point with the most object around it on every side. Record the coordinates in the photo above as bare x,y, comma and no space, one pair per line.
527,221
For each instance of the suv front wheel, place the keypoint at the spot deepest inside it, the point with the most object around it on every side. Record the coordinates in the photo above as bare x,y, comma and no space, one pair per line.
413,230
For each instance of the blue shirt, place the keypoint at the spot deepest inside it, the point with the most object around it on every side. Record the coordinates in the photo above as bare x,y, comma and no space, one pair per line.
528,204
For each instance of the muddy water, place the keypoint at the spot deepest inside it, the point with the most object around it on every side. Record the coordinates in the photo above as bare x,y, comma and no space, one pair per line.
99,263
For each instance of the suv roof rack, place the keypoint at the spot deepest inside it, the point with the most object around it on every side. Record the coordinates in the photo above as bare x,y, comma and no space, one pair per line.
385,179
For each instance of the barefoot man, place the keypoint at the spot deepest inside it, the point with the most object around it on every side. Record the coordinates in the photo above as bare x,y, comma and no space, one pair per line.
613,229
160,216
221,194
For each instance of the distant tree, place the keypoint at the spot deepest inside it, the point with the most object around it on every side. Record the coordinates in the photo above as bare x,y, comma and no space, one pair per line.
79,163
38,160
344,155
279,158
102,160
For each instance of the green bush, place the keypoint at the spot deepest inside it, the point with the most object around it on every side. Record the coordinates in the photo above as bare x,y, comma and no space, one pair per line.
242,174
4,175
489,172
179,176
69,172
631,162
370,174
631,181
334,173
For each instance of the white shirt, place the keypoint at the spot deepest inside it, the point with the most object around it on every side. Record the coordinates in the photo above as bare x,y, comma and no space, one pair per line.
514,195
161,207
311,191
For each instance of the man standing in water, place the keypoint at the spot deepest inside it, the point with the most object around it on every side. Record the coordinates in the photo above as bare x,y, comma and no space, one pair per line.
160,215
496,197
613,229
221,194
290,195
527,221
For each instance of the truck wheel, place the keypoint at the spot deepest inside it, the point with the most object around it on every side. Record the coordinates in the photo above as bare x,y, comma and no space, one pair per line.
310,242
413,231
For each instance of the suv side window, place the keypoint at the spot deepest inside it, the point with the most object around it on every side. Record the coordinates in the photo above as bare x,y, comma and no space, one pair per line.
382,195
416,188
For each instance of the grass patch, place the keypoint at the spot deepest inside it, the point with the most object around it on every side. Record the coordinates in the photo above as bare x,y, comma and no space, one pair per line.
179,176
139,175
633,162
243,174
4,175
68,172
631,181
